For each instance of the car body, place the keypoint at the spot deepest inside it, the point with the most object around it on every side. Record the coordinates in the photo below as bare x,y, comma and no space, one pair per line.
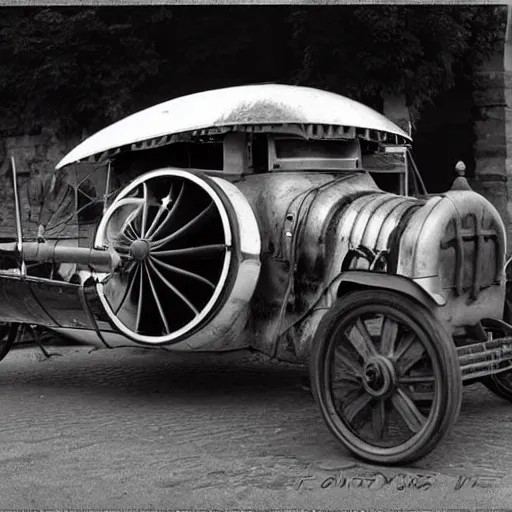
252,216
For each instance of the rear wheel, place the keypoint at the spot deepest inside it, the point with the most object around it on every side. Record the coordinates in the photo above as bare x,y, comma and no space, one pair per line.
500,383
375,355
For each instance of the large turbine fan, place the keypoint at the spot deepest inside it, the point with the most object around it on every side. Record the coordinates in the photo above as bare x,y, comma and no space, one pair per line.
174,236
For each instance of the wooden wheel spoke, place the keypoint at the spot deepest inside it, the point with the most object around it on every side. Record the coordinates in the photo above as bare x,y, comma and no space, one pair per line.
200,217
408,410
342,379
173,288
404,344
345,359
127,232
356,406
154,223
145,208
345,394
157,300
183,272
409,354
419,379
130,228
389,334
426,396
129,288
379,419
170,213
201,250
162,208
361,340
127,228
139,305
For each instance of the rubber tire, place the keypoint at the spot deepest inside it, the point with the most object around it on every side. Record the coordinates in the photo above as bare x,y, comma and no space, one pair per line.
442,351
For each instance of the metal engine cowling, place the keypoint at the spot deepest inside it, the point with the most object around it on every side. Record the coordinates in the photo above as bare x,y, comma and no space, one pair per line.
190,249
454,248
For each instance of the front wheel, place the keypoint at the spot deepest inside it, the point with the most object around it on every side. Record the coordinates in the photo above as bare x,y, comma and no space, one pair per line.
375,356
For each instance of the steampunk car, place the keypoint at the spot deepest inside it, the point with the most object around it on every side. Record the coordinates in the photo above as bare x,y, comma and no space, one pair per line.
292,221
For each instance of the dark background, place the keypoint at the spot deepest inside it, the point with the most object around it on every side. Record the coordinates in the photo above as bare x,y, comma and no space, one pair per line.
80,68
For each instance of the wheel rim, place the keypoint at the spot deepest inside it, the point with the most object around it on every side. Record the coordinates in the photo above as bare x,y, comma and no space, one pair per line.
173,235
503,379
379,367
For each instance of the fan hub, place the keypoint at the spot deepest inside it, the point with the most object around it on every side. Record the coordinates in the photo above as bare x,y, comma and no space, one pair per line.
140,250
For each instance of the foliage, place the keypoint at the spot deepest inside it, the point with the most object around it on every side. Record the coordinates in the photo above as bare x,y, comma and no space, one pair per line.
85,67
417,51
88,62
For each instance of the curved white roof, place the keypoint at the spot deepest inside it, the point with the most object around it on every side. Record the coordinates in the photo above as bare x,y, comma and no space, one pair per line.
243,105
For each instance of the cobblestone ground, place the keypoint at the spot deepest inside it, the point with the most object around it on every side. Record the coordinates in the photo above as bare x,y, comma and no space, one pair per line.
134,428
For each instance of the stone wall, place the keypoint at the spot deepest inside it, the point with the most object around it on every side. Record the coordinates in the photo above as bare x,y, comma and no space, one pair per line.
493,130
492,124
35,156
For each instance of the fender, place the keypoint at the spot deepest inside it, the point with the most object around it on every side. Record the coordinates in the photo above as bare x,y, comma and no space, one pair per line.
346,281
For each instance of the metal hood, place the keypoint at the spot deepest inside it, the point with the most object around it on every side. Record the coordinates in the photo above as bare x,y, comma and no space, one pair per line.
266,104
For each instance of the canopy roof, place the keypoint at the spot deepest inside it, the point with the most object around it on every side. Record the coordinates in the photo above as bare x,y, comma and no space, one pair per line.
236,108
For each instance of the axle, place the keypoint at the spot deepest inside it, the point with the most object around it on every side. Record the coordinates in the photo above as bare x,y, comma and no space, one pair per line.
46,252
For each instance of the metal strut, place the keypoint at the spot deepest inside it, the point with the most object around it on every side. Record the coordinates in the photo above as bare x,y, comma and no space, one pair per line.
56,252
17,208
486,358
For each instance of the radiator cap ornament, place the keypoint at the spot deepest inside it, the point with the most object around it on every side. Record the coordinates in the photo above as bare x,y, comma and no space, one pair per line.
460,182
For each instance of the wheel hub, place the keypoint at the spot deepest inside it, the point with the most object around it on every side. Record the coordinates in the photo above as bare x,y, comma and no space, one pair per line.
379,376
139,250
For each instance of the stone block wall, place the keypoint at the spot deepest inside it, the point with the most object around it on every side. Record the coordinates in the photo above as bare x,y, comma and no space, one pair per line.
34,155
493,130
493,141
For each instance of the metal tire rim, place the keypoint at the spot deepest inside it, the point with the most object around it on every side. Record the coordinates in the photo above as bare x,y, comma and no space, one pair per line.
149,244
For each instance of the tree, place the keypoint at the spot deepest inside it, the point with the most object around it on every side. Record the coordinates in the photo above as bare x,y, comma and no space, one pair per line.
73,65
86,67
417,51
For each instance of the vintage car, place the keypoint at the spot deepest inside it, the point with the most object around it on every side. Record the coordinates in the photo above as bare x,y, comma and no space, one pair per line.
292,221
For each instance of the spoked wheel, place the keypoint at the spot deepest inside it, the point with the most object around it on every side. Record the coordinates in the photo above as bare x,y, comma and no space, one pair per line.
375,354
173,232
499,383
8,333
